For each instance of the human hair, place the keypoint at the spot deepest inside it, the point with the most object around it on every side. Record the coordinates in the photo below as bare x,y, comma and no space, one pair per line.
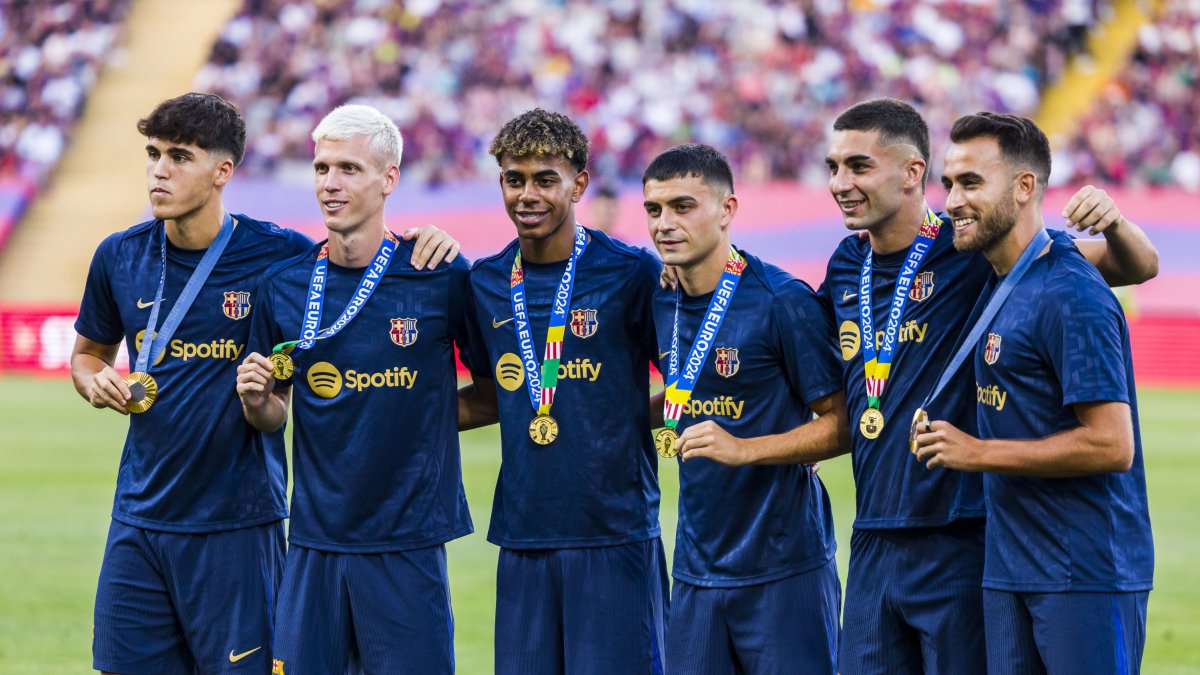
348,121
896,122
204,120
691,159
1022,144
539,132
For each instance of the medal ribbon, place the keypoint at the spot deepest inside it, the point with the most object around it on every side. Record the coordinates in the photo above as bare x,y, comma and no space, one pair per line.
984,311
541,385
316,295
680,386
878,363
151,349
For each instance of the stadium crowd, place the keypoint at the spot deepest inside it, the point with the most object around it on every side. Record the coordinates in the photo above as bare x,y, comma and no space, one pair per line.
50,55
760,78
1145,128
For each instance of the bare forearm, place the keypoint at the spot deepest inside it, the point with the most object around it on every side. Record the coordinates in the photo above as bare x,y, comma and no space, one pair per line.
83,369
476,408
1076,452
1132,258
269,416
816,441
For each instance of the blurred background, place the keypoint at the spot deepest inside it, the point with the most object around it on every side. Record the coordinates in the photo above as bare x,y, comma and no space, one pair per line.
1114,83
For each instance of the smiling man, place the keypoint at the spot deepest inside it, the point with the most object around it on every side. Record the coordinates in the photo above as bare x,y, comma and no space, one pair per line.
746,352
1069,554
378,481
563,349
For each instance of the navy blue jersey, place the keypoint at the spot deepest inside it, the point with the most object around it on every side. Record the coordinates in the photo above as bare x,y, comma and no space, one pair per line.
597,484
893,489
770,360
375,456
1060,339
191,463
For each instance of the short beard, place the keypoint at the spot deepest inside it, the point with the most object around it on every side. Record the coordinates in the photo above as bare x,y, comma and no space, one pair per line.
990,227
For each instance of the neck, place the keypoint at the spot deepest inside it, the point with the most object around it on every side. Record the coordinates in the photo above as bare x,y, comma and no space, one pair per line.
704,275
555,248
355,249
899,231
198,229
1004,254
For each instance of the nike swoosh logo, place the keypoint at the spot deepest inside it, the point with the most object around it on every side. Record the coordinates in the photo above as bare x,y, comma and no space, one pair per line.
497,324
234,658
144,305
663,355
847,295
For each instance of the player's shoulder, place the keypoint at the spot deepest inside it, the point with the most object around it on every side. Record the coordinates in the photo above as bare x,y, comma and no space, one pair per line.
499,261
775,280
302,261
851,250
287,242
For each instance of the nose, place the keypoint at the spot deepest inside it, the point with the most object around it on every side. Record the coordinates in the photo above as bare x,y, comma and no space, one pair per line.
954,199
528,193
328,181
839,180
160,167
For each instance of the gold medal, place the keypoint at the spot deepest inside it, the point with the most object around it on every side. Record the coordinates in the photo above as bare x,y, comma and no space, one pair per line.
920,418
281,366
543,430
871,423
143,391
664,442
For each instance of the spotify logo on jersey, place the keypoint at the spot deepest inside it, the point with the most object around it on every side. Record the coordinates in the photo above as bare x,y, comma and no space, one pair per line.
325,379
510,373
849,340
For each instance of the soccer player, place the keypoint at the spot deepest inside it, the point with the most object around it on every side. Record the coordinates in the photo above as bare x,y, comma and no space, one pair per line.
195,548
378,479
561,342
913,599
1069,554
746,352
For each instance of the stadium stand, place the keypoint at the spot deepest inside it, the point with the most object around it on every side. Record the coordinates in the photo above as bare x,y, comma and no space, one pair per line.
759,78
1145,127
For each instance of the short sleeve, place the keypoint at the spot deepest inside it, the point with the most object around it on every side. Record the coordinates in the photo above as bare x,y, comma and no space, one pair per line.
649,271
1084,338
99,317
473,352
802,329
264,330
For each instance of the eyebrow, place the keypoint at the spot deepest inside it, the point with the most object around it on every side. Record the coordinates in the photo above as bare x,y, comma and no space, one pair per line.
674,201
175,149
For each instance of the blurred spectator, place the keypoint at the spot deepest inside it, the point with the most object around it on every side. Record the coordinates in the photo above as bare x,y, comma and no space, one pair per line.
603,207
50,55
760,79
1145,127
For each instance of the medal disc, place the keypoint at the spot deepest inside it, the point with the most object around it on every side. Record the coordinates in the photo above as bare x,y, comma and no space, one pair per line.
920,418
543,430
664,442
281,366
871,423
143,391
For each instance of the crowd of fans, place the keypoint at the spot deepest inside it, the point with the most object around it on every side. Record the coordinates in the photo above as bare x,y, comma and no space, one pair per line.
760,79
50,55
1145,128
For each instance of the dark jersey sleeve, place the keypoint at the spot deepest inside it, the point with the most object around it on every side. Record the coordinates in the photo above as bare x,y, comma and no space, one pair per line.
803,331
460,290
473,353
99,318
264,330
1083,335
649,270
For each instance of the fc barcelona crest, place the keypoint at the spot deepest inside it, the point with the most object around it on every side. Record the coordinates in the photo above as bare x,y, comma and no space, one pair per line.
236,305
991,352
404,331
922,286
584,323
727,361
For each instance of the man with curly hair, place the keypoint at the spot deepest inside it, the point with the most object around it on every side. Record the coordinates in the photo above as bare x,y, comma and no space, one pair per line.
564,340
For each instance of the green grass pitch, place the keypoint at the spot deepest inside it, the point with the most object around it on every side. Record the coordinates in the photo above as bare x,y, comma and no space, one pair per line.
58,462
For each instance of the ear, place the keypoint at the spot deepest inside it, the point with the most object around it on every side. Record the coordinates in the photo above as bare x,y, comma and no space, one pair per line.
581,184
914,173
391,178
223,171
729,207
1025,187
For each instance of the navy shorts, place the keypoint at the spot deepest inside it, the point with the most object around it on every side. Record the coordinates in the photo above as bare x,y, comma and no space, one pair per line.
784,626
581,610
914,601
369,612
183,603
1067,633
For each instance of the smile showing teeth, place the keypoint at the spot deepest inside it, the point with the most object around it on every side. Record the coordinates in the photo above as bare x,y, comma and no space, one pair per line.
963,222
852,205
333,204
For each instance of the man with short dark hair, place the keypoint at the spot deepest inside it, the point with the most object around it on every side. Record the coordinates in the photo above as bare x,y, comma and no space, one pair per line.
580,585
1069,553
747,359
